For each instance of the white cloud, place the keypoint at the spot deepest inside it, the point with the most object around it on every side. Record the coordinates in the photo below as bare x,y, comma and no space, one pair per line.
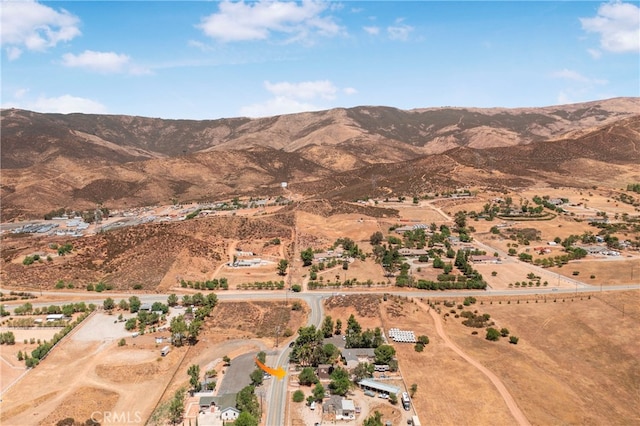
276,106
288,98
13,53
575,76
595,53
399,31
238,21
64,104
105,62
564,98
20,93
304,90
372,30
618,25
31,25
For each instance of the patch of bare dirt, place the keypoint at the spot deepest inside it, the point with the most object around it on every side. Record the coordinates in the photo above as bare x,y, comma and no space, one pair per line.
82,403
365,305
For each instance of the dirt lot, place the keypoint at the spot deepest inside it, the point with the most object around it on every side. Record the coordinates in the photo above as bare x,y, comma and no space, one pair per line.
132,379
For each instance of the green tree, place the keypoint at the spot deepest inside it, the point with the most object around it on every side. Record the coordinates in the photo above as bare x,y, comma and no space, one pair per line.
134,304
307,377
513,340
307,256
246,419
226,360
353,326
318,392
108,304
376,238
246,400
362,371
257,377
131,324
393,398
384,354
340,383
282,267
172,300
504,332
327,327
176,407
193,330
123,305
178,328
373,420
460,219
298,396
194,373
338,330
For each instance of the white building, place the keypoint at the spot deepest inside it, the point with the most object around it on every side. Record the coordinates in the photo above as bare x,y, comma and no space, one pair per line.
229,413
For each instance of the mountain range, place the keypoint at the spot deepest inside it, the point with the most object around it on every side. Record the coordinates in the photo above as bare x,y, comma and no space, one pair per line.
77,161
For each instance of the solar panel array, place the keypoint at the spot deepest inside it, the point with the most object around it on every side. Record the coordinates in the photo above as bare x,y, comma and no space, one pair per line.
402,336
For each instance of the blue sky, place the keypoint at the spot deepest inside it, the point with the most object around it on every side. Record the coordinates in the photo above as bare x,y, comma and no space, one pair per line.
207,60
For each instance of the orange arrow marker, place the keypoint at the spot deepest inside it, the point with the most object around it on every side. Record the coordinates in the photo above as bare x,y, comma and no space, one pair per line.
279,372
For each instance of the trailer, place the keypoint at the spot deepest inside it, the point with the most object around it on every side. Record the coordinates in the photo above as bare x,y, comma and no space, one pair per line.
165,351
406,401
416,421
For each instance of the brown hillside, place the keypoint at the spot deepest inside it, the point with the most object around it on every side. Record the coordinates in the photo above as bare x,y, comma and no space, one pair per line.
77,161
141,254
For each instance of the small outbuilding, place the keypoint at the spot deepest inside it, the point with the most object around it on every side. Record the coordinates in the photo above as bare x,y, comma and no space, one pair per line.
229,413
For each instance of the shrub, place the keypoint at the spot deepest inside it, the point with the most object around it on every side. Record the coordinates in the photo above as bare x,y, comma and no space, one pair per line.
492,334
298,396
297,288
122,342
513,340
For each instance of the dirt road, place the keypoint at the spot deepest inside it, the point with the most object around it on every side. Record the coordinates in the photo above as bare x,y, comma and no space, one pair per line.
519,416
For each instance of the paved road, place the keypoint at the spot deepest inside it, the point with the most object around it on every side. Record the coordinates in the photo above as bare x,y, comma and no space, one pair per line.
277,392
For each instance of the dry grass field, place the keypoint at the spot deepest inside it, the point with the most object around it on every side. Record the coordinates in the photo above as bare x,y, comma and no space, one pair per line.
605,271
450,390
576,361
580,350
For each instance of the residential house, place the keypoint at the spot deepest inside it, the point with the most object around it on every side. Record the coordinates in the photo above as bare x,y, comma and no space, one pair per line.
353,356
